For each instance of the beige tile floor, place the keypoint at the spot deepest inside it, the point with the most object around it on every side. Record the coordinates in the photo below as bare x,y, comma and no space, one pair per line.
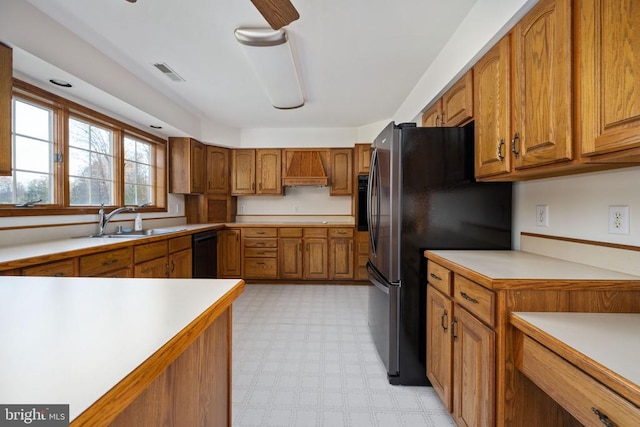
303,356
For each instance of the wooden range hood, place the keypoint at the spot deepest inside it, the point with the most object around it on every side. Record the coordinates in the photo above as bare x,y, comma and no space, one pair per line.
305,167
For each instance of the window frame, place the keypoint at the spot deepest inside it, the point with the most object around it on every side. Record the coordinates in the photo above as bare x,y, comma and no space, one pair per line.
63,110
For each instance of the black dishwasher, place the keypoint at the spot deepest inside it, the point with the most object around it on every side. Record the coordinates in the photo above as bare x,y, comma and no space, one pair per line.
205,254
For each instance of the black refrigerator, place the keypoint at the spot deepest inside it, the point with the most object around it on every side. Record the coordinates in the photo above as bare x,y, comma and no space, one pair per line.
422,195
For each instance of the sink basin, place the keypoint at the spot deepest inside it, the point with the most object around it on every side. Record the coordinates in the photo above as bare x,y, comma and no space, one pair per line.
138,234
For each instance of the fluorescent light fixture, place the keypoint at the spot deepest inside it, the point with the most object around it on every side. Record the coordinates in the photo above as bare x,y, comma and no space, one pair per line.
270,56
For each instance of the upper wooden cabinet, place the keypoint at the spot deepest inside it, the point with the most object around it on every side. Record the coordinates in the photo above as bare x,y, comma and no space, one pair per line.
363,158
256,171
341,172
542,105
455,108
608,73
217,170
491,98
6,72
186,166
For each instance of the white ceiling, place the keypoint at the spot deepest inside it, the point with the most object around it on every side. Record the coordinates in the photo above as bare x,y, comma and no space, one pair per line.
358,59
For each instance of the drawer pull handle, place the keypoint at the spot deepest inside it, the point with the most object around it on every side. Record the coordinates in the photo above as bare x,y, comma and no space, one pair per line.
58,275
260,253
342,232
109,262
499,151
603,418
260,263
444,320
259,232
454,328
435,276
468,298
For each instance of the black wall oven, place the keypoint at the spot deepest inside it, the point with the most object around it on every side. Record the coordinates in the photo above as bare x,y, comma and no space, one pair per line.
362,220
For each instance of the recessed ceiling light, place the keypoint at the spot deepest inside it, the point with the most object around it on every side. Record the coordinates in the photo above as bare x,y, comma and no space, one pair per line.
154,126
60,83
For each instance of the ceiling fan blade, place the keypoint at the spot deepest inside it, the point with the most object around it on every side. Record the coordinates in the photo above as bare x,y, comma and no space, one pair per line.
278,13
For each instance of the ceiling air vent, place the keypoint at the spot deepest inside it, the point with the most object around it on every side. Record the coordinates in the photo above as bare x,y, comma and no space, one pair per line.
168,71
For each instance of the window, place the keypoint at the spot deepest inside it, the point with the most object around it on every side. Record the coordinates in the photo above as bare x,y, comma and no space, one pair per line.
139,172
32,148
70,159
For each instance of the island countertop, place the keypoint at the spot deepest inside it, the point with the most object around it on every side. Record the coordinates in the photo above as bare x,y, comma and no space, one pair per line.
71,340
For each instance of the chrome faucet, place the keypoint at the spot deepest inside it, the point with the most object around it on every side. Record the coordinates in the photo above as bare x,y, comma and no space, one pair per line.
103,219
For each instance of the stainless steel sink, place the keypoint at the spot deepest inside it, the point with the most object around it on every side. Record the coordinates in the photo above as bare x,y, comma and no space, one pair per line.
138,234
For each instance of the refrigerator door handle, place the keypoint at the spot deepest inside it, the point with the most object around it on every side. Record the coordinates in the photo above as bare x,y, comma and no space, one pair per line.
378,281
373,217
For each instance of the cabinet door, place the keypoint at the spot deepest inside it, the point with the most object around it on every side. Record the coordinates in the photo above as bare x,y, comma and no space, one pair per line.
6,72
290,253
180,264
316,264
609,73
64,268
243,172
156,268
268,172
473,371
197,167
217,170
542,105
363,158
341,172
341,258
491,100
229,254
439,345
457,102
433,116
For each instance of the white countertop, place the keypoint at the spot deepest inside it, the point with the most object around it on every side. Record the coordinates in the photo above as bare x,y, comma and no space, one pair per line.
608,339
512,265
31,250
69,340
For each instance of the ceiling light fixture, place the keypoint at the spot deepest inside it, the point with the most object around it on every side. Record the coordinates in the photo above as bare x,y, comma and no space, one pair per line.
270,56
59,82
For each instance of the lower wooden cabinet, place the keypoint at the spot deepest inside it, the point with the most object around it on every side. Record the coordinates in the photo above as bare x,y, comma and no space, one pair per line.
151,260
440,345
361,255
104,264
229,254
290,253
341,253
156,268
63,268
260,253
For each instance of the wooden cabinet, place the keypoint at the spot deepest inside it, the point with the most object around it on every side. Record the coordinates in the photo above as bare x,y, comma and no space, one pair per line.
362,255
608,74
290,243
210,208
542,86
150,260
362,158
243,172
256,171
491,100
217,170
315,257
104,264
341,172
6,84
180,257
461,347
63,268
229,254
341,253
186,166
260,253
455,107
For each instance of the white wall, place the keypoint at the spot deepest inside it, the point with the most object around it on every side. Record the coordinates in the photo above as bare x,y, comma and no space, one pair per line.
298,137
578,205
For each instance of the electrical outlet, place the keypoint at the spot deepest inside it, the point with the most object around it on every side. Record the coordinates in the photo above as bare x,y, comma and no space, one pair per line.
295,208
542,216
618,220
241,209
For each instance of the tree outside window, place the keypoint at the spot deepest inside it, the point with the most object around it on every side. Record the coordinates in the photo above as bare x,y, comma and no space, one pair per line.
139,172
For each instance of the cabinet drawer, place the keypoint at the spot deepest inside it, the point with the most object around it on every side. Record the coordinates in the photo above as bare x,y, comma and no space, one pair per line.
149,251
261,268
260,232
291,232
439,277
260,253
64,268
477,299
179,243
97,264
260,243
119,274
314,232
573,389
341,232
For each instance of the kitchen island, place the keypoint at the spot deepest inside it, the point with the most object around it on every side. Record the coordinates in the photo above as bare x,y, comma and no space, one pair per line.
119,351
